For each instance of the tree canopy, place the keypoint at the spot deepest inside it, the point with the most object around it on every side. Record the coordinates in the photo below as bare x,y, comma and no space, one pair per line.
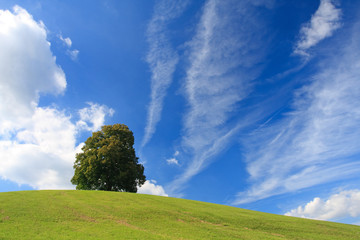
108,161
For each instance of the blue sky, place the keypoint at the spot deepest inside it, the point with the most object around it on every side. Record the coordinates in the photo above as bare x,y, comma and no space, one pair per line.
253,104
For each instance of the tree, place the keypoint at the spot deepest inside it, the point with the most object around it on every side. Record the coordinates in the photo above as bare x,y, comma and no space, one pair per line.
108,161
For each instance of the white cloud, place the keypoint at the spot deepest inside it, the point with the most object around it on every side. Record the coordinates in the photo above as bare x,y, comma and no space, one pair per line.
341,205
223,60
93,117
319,140
150,187
27,67
172,161
322,25
41,154
162,59
37,144
73,54
67,41
267,3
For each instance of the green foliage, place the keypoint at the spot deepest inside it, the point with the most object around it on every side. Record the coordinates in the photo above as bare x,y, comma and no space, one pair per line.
118,215
108,161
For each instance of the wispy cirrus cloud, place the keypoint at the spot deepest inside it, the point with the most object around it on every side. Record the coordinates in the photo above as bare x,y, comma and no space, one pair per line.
162,59
223,60
322,25
318,141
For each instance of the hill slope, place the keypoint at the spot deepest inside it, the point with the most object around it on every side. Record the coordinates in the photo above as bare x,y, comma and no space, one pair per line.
111,215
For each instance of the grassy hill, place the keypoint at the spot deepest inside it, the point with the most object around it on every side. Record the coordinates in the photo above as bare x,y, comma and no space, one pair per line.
111,215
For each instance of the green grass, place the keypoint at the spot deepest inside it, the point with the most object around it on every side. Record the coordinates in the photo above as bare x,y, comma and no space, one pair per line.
112,215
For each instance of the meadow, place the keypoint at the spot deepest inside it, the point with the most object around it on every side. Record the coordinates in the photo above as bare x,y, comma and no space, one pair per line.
115,215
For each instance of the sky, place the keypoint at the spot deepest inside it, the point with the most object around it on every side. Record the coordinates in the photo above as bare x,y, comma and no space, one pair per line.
252,104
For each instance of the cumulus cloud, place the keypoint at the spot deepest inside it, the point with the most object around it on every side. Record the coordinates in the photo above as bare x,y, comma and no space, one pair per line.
27,67
67,41
172,161
318,141
37,144
150,187
93,117
162,59
73,54
41,154
341,205
223,58
322,25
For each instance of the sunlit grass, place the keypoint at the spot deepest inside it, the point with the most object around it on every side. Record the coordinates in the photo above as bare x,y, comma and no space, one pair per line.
112,215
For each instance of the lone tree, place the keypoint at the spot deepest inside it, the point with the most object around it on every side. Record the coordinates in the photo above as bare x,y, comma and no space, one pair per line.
108,161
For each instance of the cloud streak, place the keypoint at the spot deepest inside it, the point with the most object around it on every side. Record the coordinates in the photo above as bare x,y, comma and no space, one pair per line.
162,59
322,25
223,59
318,141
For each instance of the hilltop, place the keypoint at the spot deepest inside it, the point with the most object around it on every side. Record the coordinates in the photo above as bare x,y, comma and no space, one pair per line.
115,215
